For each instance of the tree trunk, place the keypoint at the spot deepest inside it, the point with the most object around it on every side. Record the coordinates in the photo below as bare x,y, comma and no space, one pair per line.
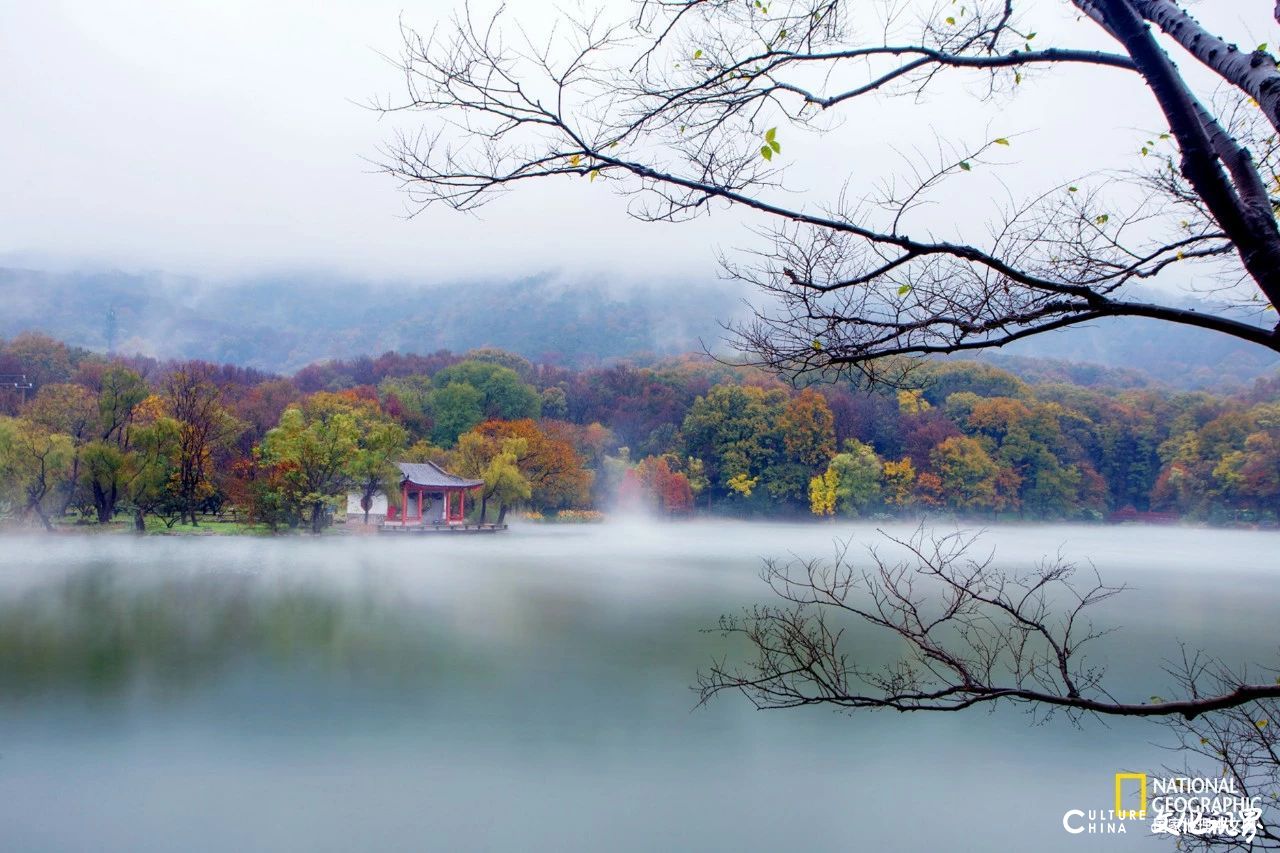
317,517
139,521
71,485
105,502
1256,237
484,507
1253,72
502,513
44,518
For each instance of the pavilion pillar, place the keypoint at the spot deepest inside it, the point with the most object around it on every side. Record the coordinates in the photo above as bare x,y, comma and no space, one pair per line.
462,504
404,503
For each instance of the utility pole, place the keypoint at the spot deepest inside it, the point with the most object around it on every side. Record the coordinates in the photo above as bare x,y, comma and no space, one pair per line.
111,330
17,381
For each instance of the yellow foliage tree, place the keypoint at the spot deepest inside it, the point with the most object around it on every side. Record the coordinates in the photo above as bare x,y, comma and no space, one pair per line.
899,478
743,484
822,492
912,402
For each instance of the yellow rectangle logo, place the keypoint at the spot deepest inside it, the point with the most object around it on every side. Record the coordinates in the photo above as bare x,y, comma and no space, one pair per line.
1121,811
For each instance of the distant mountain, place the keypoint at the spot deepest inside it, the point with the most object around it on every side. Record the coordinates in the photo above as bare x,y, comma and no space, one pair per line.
285,322
1087,374
1179,356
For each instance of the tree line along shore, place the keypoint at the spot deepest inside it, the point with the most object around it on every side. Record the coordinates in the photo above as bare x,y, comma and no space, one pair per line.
94,441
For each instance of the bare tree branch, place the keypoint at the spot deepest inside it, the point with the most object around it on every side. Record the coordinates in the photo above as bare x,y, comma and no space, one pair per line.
680,109
973,635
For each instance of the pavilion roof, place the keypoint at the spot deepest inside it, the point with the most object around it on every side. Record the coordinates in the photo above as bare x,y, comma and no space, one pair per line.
432,475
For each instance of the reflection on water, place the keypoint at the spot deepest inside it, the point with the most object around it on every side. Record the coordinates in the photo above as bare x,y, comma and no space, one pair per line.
532,692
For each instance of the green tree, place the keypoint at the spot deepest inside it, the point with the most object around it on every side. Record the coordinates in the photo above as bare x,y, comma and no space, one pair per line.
152,467
695,471
734,430
34,464
555,404
967,472
379,444
120,392
857,471
71,410
503,481
103,466
1026,437
503,394
104,461
455,409
315,456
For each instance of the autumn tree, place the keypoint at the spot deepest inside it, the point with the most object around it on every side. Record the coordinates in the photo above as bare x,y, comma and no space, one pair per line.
639,405
822,492
966,472
260,408
496,461
550,462
41,359
194,401
656,484
1223,467
1026,437
407,399
734,430
899,479
807,428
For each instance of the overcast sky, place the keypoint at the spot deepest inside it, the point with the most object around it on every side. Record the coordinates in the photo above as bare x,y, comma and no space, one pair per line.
224,137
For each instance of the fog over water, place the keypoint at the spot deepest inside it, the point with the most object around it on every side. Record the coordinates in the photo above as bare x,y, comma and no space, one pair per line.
532,691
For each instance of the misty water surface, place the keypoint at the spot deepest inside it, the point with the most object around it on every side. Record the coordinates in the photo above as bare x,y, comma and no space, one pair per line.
532,692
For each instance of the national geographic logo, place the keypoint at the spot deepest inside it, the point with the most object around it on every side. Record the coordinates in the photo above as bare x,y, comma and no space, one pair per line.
1141,811
1204,806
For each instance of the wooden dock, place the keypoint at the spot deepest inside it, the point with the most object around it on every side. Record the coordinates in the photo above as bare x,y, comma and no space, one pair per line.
392,527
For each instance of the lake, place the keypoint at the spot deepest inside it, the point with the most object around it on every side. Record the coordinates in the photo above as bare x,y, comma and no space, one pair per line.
532,691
